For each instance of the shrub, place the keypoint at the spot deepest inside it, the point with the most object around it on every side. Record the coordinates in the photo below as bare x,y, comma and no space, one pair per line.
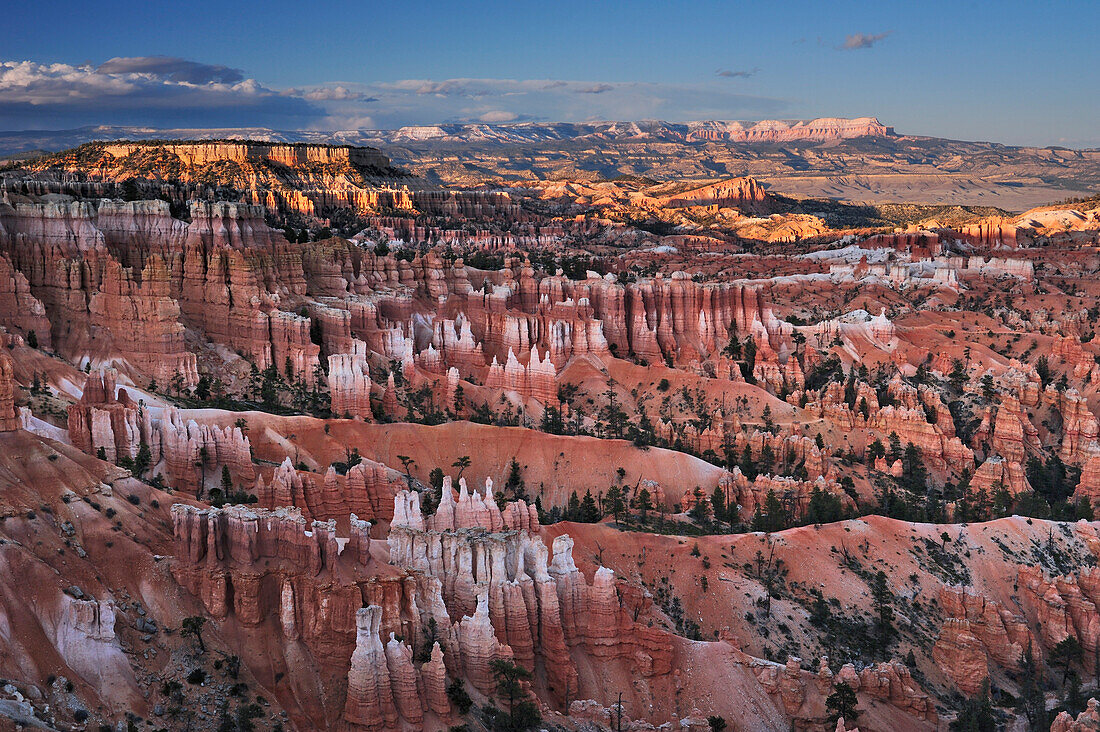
456,692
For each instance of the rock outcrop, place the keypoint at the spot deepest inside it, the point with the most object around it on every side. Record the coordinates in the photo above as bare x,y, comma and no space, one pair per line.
19,309
367,490
977,633
9,420
996,473
196,453
349,385
109,424
1086,721
370,698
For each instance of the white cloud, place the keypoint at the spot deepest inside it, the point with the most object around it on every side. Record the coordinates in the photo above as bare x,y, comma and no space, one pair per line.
498,116
863,40
164,91
141,90
331,94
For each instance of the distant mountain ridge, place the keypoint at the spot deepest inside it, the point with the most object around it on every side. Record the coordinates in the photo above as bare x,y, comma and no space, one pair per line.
829,128
819,130
843,159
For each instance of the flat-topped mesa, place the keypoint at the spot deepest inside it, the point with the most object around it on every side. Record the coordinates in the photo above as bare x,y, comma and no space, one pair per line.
9,420
205,153
769,130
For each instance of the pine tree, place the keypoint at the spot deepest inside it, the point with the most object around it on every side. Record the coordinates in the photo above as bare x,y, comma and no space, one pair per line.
914,475
748,467
522,714
589,511
144,457
613,502
573,508
718,505
462,463
192,626
824,507
202,389
895,447
1031,701
771,516
976,714
875,450
842,703
643,503
767,458
881,600
514,486
1002,500
1067,653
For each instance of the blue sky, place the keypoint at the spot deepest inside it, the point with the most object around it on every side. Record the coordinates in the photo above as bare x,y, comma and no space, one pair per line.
1021,73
